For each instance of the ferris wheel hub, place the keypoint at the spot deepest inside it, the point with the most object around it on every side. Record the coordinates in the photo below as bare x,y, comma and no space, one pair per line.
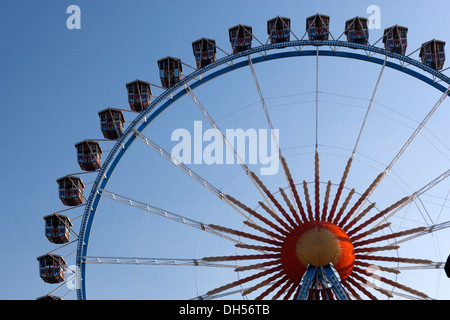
318,247
317,243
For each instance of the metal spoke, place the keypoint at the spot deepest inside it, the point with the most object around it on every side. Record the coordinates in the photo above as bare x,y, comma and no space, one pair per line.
188,171
163,213
350,160
219,295
269,121
317,97
370,106
434,265
407,143
154,262
418,129
407,296
418,193
262,100
215,127
225,141
426,231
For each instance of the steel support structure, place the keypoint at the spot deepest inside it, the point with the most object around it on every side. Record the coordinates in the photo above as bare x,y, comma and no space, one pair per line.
330,48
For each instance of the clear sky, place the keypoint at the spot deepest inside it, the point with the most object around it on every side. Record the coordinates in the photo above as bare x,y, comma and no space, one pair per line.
54,81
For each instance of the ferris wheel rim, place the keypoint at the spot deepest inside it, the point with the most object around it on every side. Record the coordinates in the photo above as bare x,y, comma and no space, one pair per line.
145,117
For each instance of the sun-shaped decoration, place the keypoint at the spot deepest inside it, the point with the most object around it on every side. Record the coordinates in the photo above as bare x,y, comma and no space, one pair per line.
313,253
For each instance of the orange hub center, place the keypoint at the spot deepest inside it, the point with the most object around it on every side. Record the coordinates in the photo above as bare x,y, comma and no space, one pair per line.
317,243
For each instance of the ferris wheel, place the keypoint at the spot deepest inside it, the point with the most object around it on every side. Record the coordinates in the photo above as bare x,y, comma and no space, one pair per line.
356,213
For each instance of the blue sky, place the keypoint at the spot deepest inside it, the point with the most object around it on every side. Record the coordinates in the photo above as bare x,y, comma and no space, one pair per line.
55,80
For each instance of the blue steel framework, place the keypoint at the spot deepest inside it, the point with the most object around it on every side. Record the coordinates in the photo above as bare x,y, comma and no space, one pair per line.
323,275
143,119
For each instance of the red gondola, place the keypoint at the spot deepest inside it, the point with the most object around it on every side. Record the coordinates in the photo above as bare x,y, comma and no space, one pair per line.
70,190
318,27
170,70
51,268
111,123
89,155
395,39
357,31
139,93
204,51
432,54
57,228
240,37
279,29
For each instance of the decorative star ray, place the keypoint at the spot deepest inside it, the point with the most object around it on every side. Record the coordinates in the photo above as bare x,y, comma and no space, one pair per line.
308,235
